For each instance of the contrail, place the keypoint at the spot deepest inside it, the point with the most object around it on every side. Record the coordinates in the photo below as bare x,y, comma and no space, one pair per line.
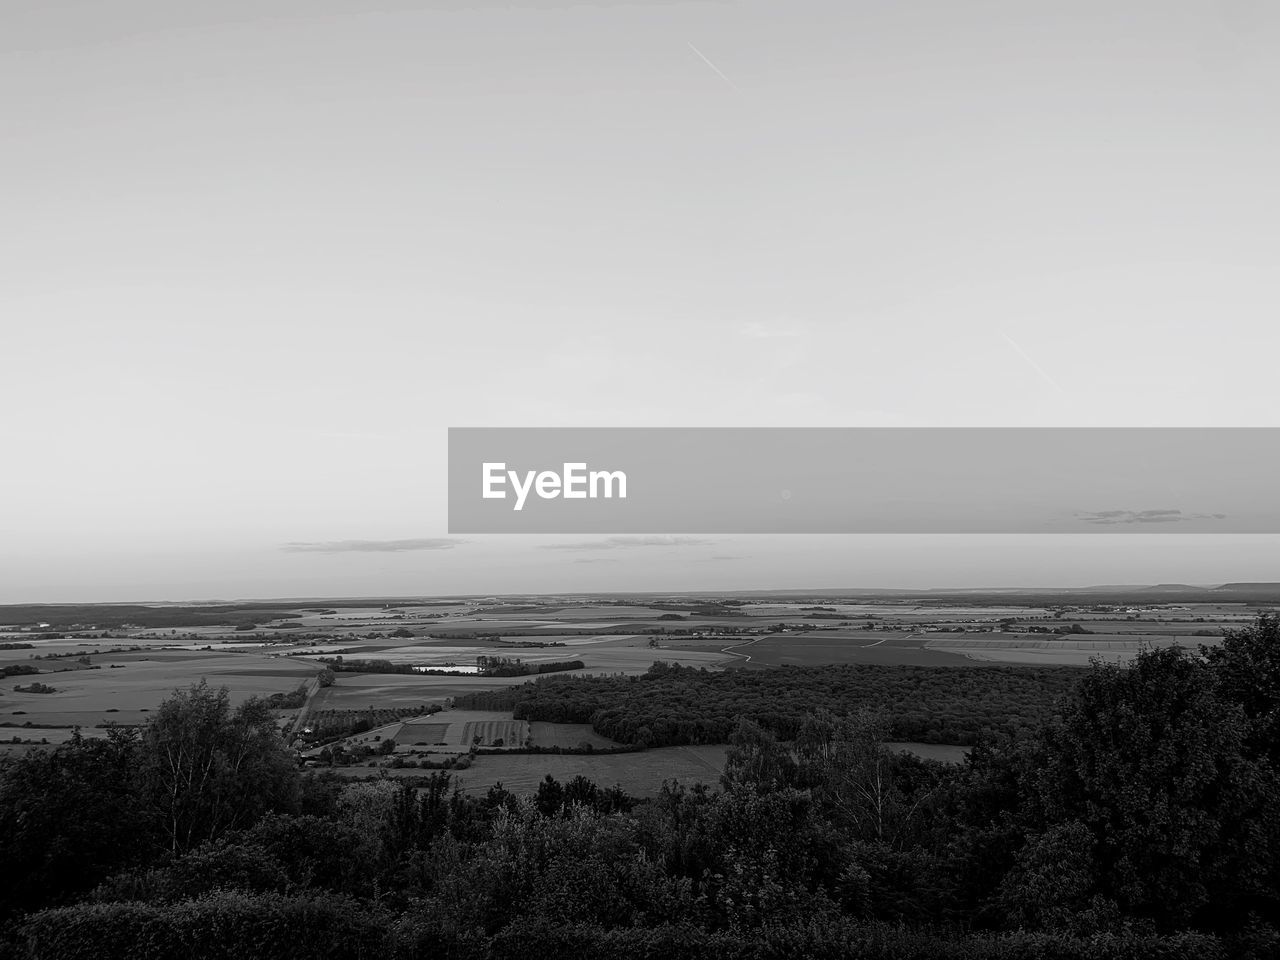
718,71
1034,366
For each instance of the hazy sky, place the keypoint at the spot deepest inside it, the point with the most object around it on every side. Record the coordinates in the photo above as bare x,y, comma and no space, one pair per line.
258,255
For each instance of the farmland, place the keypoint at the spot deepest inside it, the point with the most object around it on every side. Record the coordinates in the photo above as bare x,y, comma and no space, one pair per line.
1113,648
841,646
115,663
447,732
453,731
124,687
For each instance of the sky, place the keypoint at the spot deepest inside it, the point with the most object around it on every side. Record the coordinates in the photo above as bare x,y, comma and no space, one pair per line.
257,257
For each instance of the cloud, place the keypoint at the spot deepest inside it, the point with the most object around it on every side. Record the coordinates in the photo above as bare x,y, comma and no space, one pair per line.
373,546
615,543
723,557
1112,517
596,560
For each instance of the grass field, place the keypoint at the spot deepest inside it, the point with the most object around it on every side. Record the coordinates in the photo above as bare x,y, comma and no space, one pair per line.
421,733
944,752
639,774
566,735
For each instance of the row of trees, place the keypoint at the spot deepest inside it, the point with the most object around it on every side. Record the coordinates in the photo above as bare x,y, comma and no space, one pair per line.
497,666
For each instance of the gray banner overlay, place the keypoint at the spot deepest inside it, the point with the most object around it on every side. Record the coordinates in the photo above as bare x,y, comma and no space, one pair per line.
864,480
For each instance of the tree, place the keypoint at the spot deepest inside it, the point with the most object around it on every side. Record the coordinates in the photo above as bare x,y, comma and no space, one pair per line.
1052,884
69,817
857,778
769,856
379,812
581,792
1153,763
207,768
550,796
1247,665
755,759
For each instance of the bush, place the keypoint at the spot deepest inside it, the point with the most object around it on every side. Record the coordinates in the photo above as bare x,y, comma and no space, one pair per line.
835,941
224,926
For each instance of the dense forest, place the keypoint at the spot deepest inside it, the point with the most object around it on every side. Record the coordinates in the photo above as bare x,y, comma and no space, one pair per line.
673,705
1140,819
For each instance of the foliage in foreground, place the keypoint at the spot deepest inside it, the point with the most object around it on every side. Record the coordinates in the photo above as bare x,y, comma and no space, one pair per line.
232,926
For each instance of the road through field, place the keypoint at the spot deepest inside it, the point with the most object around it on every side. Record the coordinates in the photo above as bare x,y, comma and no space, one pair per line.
746,657
868,646
313,687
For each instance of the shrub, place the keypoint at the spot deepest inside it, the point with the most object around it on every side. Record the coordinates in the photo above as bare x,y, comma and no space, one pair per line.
223,926
833,941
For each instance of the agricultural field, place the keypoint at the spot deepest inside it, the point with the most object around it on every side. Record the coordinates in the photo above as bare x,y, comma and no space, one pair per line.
1038,649
50,735
458,730
633,655
841,646
904,612
447,731
362,691
492,732
262,648
940,648
630,654
35,738
125,687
